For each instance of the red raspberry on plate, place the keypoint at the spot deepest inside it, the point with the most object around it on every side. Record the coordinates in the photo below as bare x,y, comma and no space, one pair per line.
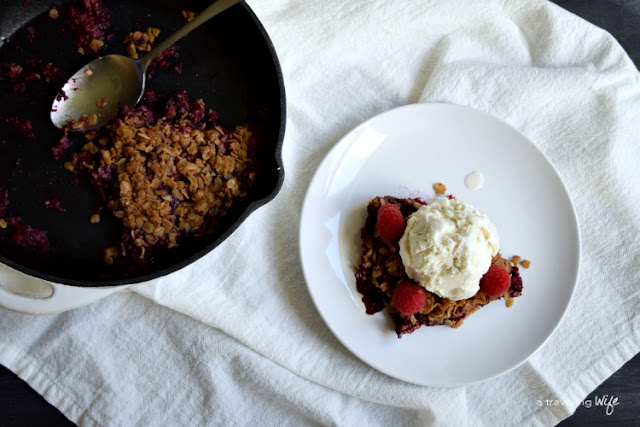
408,297
495,281
391,223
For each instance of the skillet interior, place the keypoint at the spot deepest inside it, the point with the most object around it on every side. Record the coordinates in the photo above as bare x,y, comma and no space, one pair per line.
229,62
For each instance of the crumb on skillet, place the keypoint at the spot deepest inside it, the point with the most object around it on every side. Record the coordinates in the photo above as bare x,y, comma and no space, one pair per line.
188,15
23,234
54,204
86,24
168,60
17,76
139,41
63,144
24,126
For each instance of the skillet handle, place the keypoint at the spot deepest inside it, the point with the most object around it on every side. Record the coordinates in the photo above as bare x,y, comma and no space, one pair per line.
26,294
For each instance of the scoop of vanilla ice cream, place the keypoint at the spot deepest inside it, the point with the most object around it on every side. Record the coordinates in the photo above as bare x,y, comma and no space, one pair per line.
447,247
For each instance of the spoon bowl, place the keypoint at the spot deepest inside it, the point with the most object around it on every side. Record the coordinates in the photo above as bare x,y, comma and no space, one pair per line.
97,91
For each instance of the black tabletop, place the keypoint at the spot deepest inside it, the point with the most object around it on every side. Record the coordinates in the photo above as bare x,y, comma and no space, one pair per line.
20,405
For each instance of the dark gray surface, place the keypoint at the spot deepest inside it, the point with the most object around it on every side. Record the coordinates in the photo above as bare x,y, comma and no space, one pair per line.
20,405
621,18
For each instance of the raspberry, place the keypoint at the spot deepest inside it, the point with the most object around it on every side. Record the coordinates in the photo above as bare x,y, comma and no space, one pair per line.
391,223
408,297
495,281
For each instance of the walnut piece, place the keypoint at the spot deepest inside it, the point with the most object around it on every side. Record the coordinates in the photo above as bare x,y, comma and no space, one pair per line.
139,41
439,188
110,254
189,15
96,44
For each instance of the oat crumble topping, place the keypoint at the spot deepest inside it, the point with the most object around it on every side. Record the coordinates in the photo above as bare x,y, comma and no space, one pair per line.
170,176
96,44
189,15
139,41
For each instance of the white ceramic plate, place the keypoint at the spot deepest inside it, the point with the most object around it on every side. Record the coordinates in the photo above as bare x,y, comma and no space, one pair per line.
402,153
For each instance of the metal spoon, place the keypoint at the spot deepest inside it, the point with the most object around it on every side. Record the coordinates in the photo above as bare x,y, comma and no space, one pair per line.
93,95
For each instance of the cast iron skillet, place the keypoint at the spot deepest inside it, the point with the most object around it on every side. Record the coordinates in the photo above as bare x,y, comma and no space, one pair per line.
229,62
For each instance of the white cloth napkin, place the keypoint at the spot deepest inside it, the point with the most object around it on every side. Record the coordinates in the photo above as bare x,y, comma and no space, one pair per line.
236,339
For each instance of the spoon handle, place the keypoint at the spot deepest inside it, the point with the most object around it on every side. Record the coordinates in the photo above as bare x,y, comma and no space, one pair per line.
211,11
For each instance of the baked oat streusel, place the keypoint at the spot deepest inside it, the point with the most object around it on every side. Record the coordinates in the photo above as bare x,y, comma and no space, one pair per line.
167,176
140,41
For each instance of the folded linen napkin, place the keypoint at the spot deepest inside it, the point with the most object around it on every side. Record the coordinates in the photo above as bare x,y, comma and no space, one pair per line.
236,339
